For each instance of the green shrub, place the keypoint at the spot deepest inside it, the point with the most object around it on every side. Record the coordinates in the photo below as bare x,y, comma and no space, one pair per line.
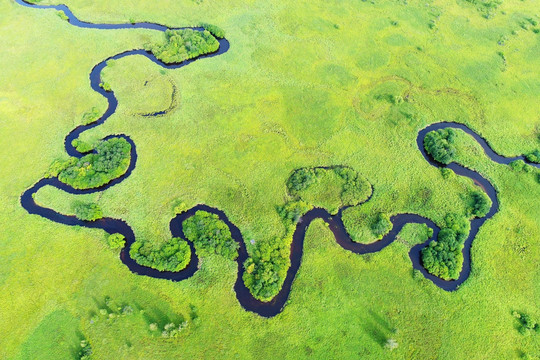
301,179
443,258
116,241
110,161
518,165
353,188
486,7
82,146
291,212
534,156
174,255
266,269
87,211
381,225
179,207
214,30
356,188
62,15
181,45
210,235
446,173
526,323
170,330
479,204
440,145
460,224
91,116
105,86
357,222
56,167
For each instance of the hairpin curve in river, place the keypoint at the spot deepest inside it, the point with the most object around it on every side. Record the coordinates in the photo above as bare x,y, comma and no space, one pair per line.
248,302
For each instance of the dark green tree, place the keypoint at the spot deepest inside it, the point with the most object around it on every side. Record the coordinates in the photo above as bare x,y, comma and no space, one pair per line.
87,211
440,145
210,235
174,255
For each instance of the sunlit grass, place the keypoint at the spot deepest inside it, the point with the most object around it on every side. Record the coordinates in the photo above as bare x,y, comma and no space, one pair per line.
304,84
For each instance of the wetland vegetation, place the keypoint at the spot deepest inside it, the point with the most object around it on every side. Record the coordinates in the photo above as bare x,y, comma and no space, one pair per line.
305,84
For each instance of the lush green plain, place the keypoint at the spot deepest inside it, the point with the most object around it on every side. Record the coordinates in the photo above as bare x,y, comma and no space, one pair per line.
307,83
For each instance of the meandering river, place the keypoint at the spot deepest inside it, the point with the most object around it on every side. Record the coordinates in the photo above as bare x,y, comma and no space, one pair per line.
248,302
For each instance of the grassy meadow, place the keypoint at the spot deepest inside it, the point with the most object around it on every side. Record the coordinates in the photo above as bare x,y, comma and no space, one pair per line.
304,84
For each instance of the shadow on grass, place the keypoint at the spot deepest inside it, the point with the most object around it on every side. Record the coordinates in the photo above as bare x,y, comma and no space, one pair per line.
375,332
378,328
381,321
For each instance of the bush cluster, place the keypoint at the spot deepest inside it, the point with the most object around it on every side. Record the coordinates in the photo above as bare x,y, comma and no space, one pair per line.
110,311
56,167
446,172
444,257
174,255
214,30
440,145
526,323
534,156
291,212
179,207
210,235
62,15
105,86
381,225
479,205
87,211
365,225
486,7
109,161
266,269
520,165
301,179
181,45
82,146
354,188
116,241
170,330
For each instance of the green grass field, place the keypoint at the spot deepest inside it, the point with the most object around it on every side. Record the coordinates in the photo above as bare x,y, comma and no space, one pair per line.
304,84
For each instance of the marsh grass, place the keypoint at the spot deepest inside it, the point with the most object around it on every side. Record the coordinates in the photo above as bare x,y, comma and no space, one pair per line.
294,90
